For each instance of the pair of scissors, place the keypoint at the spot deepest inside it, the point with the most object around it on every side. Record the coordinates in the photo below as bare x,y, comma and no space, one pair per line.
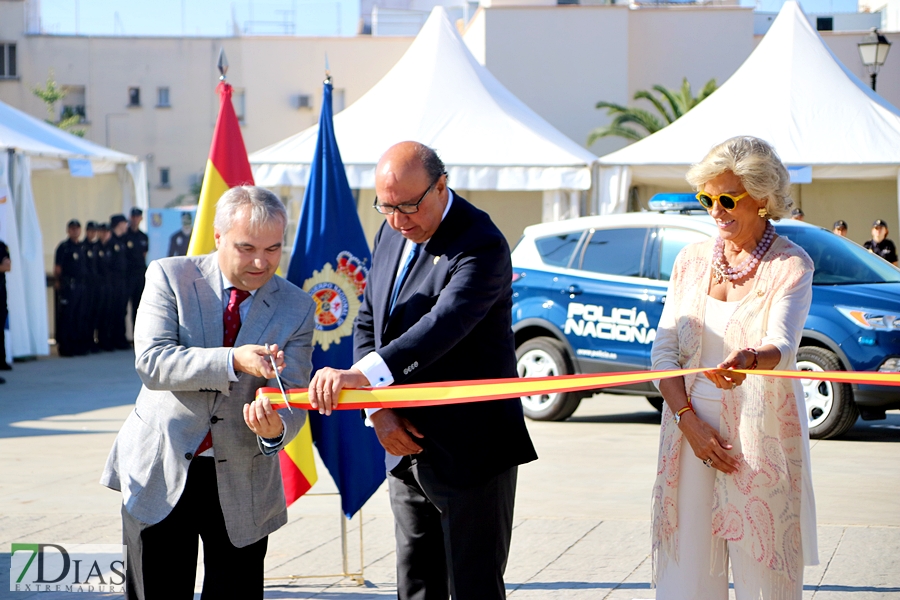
278,379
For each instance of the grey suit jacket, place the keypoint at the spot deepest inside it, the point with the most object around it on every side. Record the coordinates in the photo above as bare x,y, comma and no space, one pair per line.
186,392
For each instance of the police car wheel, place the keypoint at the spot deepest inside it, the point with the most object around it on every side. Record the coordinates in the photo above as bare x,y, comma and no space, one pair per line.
830,408
546,357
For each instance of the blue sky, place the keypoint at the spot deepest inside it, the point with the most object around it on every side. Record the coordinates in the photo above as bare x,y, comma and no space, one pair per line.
214,17
810,6
198,17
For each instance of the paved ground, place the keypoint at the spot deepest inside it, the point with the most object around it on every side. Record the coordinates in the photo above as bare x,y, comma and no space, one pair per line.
582,514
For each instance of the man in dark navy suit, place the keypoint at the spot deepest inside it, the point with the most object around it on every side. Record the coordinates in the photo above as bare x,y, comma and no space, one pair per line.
437,307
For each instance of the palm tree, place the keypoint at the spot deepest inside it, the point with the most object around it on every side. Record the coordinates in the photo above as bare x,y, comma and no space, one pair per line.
678,104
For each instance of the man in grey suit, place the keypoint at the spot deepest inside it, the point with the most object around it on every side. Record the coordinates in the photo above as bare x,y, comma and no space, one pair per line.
197,458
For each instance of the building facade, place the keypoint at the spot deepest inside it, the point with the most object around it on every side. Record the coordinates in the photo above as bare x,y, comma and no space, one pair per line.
154,96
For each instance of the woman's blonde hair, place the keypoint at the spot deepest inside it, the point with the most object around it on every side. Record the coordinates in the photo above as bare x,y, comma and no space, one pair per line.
756,163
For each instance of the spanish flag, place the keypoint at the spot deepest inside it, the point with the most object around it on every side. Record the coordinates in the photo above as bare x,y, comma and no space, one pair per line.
227,167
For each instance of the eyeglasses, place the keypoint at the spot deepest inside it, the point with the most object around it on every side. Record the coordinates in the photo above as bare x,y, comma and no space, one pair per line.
726,201
406,209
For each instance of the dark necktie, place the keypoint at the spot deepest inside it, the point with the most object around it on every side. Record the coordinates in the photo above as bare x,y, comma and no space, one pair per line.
231,319
404,272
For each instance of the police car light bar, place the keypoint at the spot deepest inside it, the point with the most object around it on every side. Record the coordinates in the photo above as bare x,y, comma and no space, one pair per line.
674,202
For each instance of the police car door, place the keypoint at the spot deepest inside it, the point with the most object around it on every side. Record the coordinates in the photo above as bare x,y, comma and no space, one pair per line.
663,247
606,316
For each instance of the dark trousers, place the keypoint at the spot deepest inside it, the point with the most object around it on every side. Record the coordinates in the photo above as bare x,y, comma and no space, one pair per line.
118,309
451,542
70,315
104,320
162,558
135,291
3,315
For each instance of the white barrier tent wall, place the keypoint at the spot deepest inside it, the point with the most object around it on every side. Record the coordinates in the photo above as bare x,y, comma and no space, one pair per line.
31,145
438,94
792,92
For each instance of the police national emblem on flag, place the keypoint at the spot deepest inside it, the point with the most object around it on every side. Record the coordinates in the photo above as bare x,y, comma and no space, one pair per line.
330,261
338,294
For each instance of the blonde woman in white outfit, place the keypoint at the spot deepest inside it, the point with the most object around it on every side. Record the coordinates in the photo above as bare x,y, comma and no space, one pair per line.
733,482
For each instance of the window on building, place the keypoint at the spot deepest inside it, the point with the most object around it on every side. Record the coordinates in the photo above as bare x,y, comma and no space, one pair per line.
73,104
239,101
134,96
615,252
337,101
8,68
162,97
164,180
825,23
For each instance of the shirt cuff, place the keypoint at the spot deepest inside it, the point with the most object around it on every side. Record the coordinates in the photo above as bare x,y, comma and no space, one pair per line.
232,376
377,372
273,443
375,369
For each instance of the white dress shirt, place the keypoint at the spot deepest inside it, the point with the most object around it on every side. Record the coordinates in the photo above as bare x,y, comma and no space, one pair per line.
372,365
243,310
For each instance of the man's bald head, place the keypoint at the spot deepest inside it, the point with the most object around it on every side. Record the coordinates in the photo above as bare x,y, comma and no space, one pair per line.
406,157
410,173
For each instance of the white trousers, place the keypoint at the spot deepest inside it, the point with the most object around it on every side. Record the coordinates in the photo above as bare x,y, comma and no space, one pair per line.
693,577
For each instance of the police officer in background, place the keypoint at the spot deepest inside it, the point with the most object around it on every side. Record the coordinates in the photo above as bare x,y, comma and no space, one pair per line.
181,239
136,244
118,281
91,247
104,254
69,271
5,267
879,244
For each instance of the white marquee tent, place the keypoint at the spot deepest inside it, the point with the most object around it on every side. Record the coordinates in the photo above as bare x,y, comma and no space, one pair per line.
792,92
438,94
31,145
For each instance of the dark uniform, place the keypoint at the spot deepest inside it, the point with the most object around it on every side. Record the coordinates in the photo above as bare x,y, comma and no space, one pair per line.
91,289
136,245
178,243
117,275
885,249
104,295
70,298
4,313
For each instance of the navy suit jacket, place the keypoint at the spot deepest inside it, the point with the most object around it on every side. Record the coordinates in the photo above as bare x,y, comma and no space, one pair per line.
452,321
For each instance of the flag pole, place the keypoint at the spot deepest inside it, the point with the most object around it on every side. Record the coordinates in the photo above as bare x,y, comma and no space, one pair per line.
358,267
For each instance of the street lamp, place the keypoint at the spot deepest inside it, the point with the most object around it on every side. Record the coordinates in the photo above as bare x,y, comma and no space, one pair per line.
873,50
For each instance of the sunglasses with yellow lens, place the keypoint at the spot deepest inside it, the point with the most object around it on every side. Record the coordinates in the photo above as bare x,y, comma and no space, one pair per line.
726,201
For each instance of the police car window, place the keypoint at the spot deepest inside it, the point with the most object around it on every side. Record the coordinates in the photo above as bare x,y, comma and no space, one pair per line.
615,252
673,239
557,250
837,260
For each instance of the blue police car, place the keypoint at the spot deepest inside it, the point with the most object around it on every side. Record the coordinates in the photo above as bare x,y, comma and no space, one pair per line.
588,294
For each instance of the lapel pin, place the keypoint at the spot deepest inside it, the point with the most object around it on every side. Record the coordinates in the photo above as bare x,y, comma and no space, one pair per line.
436,259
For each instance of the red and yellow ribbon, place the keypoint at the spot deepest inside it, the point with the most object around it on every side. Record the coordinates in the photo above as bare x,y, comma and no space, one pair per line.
458,392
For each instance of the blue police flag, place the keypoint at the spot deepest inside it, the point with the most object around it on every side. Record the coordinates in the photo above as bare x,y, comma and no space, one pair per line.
330,261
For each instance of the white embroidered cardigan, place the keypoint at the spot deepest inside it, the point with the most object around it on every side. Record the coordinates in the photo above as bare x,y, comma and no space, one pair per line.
768,505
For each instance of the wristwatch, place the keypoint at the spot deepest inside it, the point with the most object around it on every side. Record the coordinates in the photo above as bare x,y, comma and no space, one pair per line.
681,412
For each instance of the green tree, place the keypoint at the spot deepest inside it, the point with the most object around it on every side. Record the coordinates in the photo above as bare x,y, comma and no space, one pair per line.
51,93
669,105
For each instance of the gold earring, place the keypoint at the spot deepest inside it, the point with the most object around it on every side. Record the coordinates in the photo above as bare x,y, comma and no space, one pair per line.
763,213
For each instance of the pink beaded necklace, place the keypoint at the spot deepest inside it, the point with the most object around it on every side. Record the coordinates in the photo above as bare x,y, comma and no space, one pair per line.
723,272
